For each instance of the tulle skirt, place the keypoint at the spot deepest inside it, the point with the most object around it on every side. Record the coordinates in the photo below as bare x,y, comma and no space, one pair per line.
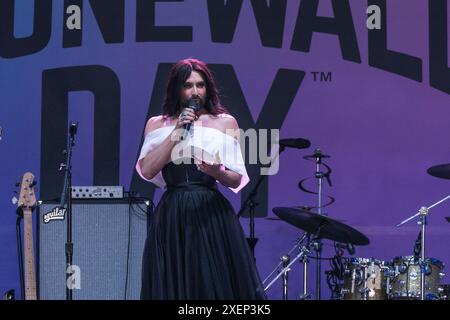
196,249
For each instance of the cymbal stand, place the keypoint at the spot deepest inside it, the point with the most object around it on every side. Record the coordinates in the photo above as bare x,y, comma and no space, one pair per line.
317,242
422,214
285,259
286,267
305,253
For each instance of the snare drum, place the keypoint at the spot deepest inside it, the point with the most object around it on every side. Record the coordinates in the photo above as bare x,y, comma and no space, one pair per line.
405,283
365,279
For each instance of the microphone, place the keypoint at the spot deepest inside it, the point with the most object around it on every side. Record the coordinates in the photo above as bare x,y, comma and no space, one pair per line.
194,105
298,143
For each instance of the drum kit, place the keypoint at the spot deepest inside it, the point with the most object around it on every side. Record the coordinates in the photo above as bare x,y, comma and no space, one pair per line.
415,277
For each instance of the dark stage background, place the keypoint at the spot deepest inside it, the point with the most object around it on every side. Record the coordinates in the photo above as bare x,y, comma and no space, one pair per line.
376,101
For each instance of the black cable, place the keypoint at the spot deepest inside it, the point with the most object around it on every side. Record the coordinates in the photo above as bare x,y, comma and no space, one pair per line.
132,205
137,198
143,213
335,276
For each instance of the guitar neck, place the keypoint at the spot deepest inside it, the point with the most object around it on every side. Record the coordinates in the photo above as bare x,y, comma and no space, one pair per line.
30,273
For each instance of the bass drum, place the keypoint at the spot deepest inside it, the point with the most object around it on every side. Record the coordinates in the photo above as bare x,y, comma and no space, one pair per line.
405,283
365,279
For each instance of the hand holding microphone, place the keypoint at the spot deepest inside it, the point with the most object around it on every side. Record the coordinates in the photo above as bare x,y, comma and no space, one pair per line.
187,117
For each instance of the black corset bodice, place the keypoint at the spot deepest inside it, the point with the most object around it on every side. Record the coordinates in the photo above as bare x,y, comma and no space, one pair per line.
186,175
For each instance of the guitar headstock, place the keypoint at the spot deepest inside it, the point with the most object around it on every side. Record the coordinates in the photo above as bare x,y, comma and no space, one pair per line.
27,197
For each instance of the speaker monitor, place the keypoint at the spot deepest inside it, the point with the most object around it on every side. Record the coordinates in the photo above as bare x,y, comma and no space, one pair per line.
108,239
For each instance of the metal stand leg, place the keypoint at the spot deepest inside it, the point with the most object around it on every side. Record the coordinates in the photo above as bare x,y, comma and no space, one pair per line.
318,247
364,291
305,294
303,252
286,260
285,265
422,222
319,175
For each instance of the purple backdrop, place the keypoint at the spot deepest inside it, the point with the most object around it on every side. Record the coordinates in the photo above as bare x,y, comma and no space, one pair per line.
382,130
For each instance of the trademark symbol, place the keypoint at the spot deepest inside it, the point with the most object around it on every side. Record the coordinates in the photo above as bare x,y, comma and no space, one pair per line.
321,76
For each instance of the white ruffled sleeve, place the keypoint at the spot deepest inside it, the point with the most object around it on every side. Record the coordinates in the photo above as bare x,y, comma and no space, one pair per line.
151,141
231,157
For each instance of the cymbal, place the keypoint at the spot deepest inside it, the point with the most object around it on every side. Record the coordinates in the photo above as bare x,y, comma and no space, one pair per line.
329,228
440,171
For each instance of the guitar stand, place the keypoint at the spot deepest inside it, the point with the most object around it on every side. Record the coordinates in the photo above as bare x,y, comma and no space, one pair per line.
9,295
19,253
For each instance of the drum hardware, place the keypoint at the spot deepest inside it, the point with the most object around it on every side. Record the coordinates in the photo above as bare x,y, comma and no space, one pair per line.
398,279
444,292
390,274
365,290
319,175
317,245
304,251
365,279
316,227
284,265
285,260
422,214
406,279
313,243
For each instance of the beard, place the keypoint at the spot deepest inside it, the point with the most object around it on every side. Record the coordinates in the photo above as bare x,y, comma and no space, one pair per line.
201,101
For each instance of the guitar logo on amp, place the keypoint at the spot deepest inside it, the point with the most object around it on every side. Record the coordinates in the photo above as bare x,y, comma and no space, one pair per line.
55,214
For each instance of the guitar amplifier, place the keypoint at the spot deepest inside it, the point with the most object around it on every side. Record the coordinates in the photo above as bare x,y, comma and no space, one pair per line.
108,239
97,192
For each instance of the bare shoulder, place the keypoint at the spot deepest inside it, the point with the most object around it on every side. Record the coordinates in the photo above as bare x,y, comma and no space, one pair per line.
228,124
227,121
154,123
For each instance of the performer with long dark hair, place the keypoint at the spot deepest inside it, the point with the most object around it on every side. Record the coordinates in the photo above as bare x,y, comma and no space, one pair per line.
196,248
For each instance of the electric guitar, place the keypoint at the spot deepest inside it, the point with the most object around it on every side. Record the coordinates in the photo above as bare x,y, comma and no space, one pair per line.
27,202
